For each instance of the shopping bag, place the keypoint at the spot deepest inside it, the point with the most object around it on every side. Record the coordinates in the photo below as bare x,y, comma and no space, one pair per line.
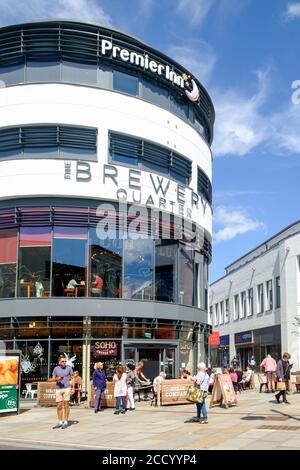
195,395
281,386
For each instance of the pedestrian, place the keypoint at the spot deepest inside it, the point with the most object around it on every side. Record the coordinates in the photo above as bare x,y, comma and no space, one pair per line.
201,380
120,390
269,365
283,372
235,363
252,363
142,380
99,384
62,375
130,386
77,384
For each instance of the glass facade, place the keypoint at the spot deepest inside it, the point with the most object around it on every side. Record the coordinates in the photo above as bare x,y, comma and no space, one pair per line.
104,76
167,344
64,261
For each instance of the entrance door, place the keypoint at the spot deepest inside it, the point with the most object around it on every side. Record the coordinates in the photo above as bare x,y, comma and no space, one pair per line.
156,358
152,358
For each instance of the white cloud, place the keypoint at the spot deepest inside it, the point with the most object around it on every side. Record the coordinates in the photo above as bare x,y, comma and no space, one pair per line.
12,11
292,11
240,125
284,131
197,56
234,223
194,10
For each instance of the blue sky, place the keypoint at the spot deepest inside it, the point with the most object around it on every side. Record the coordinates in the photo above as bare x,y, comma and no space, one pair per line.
246,52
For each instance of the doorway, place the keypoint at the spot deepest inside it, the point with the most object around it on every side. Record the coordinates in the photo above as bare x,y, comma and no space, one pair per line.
156,358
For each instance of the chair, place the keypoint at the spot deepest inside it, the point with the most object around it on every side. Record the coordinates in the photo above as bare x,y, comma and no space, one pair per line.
154,398
29,391
262,383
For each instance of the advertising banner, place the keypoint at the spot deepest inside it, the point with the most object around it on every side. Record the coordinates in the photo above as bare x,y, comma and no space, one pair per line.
9,381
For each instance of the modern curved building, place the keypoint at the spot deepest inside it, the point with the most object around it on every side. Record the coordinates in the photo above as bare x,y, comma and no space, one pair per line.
105,201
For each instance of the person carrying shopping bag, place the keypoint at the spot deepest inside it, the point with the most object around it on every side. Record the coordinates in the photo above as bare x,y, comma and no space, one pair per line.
201,380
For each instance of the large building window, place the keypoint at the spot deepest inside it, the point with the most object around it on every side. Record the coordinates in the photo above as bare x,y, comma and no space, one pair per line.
69,277
260,298
221,312
216,320
155,94
250,302
105,266
185,274
34,262
278,299
236,307
165,271
243,305
227,313
204,187
149,156
125,83
49,141
8,259
138,269
269,289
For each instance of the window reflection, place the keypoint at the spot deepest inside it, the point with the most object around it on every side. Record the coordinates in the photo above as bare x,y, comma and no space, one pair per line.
138,269
165,270
105,266
185,273
125,83
34,262
69,261
8,258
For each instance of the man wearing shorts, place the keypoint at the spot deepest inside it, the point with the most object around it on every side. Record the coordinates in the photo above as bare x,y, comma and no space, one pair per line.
62,375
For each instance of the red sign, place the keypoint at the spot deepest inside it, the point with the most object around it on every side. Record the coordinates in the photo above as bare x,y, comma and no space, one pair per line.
214,339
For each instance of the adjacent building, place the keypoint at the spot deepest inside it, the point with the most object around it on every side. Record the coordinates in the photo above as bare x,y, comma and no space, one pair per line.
255,304
105,201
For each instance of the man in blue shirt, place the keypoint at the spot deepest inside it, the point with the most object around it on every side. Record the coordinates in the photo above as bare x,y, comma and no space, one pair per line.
62,375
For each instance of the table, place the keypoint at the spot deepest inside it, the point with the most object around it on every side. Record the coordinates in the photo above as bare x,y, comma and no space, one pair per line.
78,289
28,286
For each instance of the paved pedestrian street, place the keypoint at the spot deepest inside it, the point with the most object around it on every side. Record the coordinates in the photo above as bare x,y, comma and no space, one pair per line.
257,422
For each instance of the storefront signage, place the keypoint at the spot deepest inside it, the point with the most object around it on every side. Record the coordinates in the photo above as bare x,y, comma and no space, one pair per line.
9,381
214,338
128,185
105,348
224,340
173,392
143,61
223,392
245,337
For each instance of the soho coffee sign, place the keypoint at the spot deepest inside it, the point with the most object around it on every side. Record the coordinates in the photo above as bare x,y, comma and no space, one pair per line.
105,348
130,187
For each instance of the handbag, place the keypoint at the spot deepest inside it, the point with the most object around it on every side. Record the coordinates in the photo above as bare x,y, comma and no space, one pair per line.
195,395
281,386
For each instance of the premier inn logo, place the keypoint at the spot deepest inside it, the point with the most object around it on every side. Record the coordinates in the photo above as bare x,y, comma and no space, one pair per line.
192,91
144,61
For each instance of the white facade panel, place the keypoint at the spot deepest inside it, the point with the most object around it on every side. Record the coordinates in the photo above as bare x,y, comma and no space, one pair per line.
106,110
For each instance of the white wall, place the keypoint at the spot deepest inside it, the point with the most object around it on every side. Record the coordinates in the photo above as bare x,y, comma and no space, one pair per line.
281,260
107,110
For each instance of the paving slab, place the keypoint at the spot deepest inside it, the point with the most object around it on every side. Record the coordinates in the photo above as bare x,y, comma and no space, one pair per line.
158,427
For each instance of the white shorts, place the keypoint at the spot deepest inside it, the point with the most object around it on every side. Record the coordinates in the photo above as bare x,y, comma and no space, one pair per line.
62,394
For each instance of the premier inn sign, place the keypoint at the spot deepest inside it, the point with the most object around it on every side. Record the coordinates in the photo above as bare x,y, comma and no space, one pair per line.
146,63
